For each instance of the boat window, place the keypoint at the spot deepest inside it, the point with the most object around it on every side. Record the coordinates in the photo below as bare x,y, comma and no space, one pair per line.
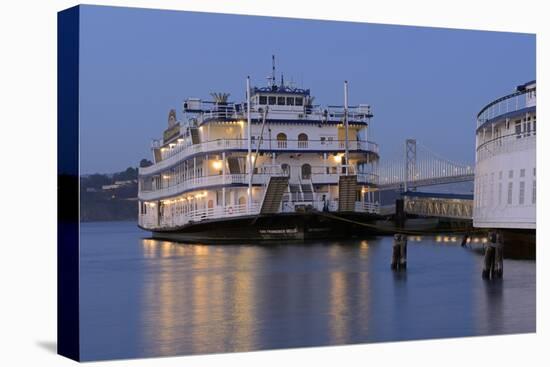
306,171
518,129
299,101
272,100
290,101
302,140
281,101
263,99
281,140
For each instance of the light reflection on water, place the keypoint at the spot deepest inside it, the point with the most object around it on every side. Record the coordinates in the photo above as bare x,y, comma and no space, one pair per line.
142,297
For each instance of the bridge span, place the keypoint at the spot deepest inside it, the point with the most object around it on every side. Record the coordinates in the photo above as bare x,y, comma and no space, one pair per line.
419,166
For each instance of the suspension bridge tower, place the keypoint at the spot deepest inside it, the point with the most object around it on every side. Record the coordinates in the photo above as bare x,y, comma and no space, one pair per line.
410,163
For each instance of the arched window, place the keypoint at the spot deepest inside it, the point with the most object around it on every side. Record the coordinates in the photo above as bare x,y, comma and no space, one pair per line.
281,140
306,171
286,169
242,200
302,140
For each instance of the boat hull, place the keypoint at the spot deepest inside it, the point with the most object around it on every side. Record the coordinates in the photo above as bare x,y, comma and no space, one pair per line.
273,227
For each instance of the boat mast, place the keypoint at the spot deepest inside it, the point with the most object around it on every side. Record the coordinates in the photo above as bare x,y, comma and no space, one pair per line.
346,124
249,159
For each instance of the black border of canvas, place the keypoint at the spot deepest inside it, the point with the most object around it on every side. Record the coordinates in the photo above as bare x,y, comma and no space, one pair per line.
68,35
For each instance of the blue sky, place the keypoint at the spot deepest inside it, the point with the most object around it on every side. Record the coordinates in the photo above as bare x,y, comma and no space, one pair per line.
423,83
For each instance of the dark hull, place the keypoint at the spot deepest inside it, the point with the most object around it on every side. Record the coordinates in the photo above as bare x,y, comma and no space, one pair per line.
519,243
278,227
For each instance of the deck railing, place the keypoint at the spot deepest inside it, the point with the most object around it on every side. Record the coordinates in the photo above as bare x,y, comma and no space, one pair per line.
507,104
177,216
506,144
233,111
198,183
319,175
179,151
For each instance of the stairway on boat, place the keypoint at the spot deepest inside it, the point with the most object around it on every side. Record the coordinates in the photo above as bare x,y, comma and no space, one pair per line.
347,192
295,192
195,136
234,165
276,187
307,191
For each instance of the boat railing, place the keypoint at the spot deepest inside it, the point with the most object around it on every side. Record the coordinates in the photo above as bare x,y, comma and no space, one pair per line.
506,144
175,213
331,205
179,151
507,104
367,207
198,183
184,217
232,111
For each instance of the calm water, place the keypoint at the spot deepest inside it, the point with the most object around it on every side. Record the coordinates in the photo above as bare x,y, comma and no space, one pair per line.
142,297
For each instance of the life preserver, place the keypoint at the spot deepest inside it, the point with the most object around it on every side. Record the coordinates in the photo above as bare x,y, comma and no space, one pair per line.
230,210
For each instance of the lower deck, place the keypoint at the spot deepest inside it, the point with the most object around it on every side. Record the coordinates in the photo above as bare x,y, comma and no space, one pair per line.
273,227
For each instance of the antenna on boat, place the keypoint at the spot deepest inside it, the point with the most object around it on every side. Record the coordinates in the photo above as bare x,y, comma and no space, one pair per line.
271,79
249,157
346,123
273,69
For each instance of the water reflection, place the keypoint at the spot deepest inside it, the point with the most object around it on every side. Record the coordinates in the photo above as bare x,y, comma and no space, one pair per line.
205,311
163,298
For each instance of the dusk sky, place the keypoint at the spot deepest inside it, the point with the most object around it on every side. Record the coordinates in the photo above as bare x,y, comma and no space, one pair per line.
423,83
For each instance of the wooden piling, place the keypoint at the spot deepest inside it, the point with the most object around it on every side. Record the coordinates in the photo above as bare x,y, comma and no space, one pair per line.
499,257
488,261
399,252
403,252
396,253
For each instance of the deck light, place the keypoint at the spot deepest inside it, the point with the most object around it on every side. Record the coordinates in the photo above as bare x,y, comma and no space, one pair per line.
217,165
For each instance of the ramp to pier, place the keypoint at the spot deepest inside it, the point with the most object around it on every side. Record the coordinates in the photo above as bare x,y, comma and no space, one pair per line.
274,193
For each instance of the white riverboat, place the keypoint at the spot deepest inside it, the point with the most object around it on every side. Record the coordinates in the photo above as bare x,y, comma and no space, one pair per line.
269,167
505,174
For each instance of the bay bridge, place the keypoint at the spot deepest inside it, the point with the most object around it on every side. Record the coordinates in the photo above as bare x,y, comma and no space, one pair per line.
419,166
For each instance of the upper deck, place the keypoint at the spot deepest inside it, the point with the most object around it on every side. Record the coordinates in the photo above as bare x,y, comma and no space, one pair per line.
283,119
521,101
